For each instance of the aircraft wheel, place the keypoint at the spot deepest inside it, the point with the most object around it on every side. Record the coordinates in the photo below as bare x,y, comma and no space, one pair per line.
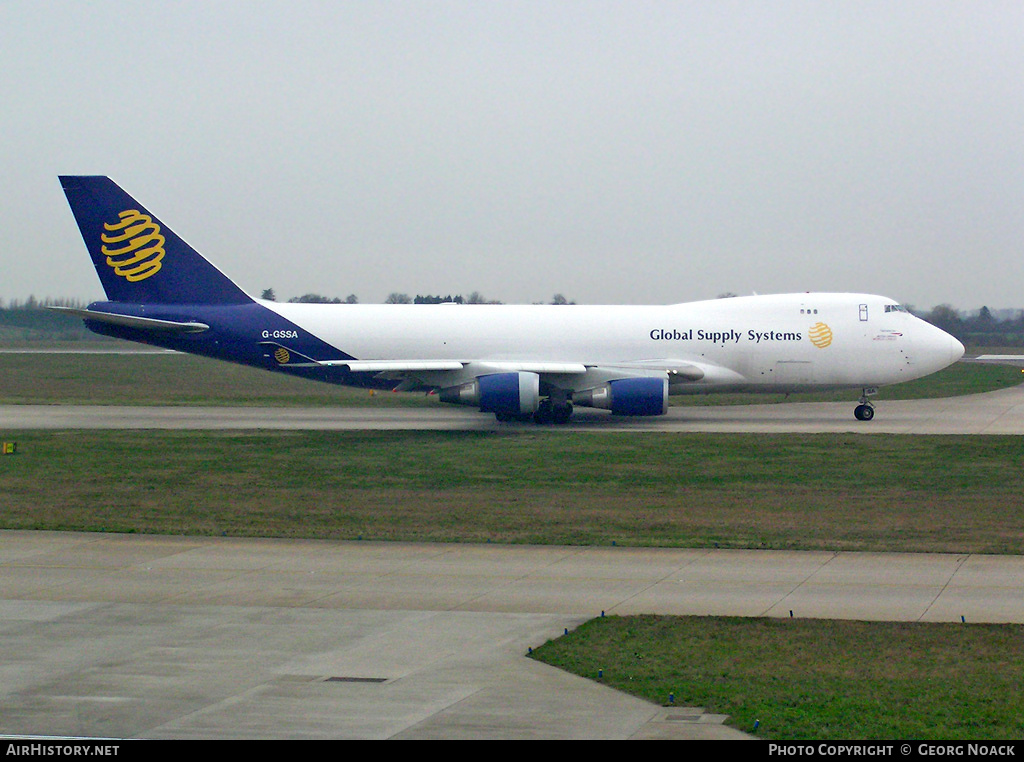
562,413
544,414
864,412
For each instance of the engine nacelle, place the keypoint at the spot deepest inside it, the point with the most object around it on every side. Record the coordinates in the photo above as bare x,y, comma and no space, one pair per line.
502,393
628,396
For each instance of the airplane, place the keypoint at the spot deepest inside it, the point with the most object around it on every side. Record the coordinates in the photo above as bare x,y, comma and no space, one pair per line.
517,362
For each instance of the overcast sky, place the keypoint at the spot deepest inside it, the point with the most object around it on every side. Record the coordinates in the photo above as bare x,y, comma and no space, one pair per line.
615,152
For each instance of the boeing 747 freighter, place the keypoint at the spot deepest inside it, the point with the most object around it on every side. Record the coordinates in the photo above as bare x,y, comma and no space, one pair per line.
518,362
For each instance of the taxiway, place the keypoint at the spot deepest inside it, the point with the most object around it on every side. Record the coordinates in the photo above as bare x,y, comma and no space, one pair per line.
157,637
125,636
999,412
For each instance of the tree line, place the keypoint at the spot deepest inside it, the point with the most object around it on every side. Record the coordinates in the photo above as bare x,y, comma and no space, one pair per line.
30,320
980,328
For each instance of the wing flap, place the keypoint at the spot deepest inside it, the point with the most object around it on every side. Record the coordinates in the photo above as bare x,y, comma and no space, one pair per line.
549,368
485,366
395,366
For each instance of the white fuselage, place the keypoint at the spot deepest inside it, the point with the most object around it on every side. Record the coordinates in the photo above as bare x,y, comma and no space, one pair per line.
784,342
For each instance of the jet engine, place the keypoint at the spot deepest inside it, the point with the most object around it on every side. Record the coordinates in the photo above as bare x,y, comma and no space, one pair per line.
627,396
505,394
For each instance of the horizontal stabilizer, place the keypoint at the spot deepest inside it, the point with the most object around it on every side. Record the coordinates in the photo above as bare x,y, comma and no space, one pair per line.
131,321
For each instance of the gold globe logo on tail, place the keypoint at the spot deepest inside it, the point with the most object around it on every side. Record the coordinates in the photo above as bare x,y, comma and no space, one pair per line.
282,355
133,246
820,335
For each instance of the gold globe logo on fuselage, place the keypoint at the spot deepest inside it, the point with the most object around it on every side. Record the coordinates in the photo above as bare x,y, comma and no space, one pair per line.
820,335
282,355
133,246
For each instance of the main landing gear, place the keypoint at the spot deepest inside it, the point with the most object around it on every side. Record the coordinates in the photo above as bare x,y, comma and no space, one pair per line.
549,411
864,411
553,411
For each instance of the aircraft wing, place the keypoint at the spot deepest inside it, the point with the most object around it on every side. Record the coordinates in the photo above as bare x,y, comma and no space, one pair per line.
678,371
420,366
515,388
684,371
394,366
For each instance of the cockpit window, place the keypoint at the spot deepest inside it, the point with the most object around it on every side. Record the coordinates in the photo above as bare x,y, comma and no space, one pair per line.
895,308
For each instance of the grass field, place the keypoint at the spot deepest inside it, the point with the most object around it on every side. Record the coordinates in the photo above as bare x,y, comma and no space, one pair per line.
799,679
893,493
166,378
814,679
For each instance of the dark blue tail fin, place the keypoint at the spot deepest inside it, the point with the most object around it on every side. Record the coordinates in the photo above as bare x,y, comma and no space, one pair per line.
138,258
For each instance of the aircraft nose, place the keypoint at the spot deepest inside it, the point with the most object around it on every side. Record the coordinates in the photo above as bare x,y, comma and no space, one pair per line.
938,349
946,349
956,350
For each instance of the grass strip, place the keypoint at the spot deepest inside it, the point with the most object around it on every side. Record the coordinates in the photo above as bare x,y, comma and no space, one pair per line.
815,491
813,679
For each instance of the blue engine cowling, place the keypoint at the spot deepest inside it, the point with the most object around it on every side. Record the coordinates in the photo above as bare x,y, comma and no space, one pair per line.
628,396
502,393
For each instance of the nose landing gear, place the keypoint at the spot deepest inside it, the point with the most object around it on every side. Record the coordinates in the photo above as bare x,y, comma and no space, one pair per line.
864,411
